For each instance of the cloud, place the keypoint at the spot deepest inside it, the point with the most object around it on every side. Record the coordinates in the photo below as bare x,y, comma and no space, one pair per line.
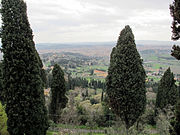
98,20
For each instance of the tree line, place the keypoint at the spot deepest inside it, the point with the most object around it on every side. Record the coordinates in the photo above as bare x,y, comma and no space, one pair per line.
84,83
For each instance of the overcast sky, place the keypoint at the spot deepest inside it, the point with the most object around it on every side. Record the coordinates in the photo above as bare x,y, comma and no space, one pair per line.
55,21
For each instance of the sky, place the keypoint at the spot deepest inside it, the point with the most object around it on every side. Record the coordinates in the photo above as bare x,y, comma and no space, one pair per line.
59,21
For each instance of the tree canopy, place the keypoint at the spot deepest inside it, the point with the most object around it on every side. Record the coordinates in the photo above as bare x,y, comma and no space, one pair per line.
175,13
167,91
24,95
126,79
58,91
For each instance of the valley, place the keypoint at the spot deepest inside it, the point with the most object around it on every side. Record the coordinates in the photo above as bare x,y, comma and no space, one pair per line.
91,61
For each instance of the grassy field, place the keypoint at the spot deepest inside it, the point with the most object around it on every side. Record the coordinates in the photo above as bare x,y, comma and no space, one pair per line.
160,59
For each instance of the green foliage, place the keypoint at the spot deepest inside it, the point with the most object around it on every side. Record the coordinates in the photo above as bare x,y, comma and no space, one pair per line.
176,52
167,91
42,71
176,121
163,119
84,83
126,79
3,121
24,95
1,85
82,115
51,133
58,90
109,117
175,13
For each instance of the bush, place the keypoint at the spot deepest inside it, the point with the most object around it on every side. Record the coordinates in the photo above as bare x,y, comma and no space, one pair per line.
163,120
51,123
3,121
82,115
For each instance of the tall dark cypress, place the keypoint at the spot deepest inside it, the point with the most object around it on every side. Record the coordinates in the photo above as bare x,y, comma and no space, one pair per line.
58,91
25,103
167,91
175,13
126,79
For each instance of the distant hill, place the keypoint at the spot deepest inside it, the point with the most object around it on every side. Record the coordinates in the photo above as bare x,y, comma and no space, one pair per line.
44,46
49,46
100,48
155,42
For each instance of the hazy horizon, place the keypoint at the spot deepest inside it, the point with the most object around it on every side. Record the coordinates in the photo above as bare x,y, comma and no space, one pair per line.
137,42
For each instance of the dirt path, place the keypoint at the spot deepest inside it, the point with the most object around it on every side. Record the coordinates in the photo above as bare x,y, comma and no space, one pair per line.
76,131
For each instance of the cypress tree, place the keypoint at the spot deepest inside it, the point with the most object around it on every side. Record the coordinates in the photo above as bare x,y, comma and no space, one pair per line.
126,80
58,90
25,103
167,91
175,13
